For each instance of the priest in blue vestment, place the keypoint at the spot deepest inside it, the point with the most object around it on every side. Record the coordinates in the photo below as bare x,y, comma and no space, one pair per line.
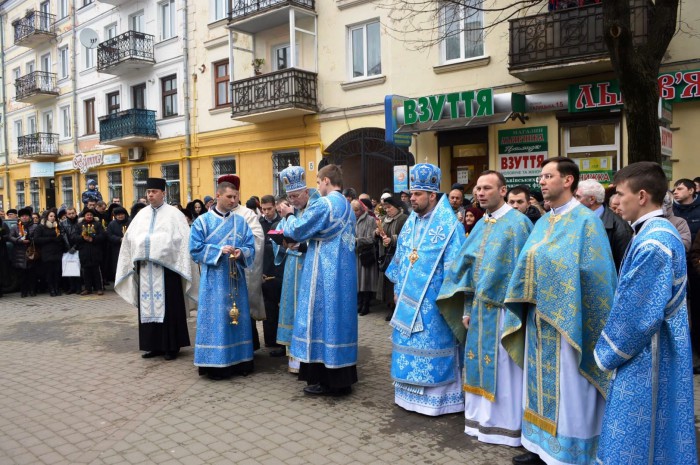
425,361
325,325
492,380
223,244
299,196
559,297
649,417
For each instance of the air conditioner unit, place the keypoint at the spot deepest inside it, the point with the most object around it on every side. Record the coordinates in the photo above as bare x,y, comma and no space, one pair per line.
137,154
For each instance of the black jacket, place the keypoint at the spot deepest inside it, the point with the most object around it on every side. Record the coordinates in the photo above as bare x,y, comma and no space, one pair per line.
90,252
20,261
50,245
69,228
691,214
619,235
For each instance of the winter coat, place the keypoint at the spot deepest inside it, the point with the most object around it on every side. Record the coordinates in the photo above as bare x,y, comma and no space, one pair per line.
91,195
50,245
680,224
619,235
691,214
115,233
68,229
694,256
90,252
366,275
4,258
20,261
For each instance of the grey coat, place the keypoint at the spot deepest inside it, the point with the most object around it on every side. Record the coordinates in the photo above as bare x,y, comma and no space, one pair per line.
364,231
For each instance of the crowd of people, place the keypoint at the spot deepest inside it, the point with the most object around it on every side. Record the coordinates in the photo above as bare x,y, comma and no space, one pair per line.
562,321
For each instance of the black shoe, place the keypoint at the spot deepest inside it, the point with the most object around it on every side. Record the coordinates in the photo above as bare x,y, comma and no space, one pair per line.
70,291
151,354
171,355
528,458
323,390
365,311
24,294
52,294
696,370
277,353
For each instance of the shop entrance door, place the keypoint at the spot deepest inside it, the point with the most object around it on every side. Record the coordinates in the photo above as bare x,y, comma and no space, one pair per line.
50,193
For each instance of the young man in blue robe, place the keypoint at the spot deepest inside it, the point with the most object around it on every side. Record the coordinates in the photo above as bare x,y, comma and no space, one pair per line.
559,297
493,381
649,417
223,244
425,361
298,196
325,324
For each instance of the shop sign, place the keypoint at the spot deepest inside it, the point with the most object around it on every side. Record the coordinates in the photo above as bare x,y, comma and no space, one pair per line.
400,178
520,155
548,101
676,86
84,162
603,176
64,166
112,159
666,141
41,169
391,105
459,104
665,111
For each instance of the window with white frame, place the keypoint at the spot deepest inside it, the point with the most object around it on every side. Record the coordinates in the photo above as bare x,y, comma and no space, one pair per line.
34,194
171,173
31,125
594,146
219,9
136,22
18,132
67,190
166,14
114,183
223,166
63,62
110,31
65,122
139,175
21,196
62,9
462,26
89,57
47,122
365,50
30,67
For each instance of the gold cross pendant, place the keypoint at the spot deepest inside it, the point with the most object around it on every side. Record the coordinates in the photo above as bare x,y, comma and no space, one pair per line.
413,256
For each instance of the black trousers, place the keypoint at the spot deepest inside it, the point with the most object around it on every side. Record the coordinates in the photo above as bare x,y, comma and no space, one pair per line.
693,290
92,277
334,378
272,292
52,272
27,279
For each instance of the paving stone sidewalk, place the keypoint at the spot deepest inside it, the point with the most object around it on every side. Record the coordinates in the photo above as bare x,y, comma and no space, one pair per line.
76,391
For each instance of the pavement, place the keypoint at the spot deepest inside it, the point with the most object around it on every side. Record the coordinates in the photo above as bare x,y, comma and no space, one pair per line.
75,390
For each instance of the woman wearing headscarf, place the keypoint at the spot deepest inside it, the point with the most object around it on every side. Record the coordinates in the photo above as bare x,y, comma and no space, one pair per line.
471,216
366,259
115,233
196,208
387,233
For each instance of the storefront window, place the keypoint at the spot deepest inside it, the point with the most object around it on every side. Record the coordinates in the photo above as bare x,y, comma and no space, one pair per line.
34,194
140,175
171,173
67,190
19,189
595,147
114,179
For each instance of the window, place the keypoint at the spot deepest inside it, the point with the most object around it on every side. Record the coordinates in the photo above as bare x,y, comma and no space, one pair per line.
34,194
171,173
110,31
138,96
16,73
89,116
30,67
45,9
140,175
219,9
63,62
595,147
136,22
88,2
281,160
65,122
18,131
62,9
282,57
169,96
46,63
114,183
48,121
167,19
89,57
112,103
31,125
223,166
21,198
221,84
366,50
463,29
67,190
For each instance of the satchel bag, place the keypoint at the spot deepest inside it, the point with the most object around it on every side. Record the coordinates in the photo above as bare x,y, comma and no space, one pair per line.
385,260
32,252
367,258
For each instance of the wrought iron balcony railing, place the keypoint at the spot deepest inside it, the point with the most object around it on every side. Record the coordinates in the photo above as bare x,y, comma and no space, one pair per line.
562,36
35,23
288,88
37,145
36,82
129,46
244,8
132,124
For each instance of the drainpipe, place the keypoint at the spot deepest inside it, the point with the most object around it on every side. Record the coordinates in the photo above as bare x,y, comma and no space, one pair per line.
4,111
74,78
186,86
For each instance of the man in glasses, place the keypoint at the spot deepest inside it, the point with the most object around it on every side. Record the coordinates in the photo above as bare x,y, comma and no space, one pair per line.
559,297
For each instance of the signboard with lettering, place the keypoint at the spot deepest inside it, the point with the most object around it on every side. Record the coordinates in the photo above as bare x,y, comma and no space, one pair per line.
84,162
520,154
460,104
666,141
391,105
41,169
400,178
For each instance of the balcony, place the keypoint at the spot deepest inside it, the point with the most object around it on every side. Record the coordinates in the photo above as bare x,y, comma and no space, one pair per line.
38,146
35,28
566,43
128,127
125,52
281,94
253,16
36,87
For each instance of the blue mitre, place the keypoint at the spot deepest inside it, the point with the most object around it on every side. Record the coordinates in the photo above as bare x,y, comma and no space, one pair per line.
293,178
425,177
